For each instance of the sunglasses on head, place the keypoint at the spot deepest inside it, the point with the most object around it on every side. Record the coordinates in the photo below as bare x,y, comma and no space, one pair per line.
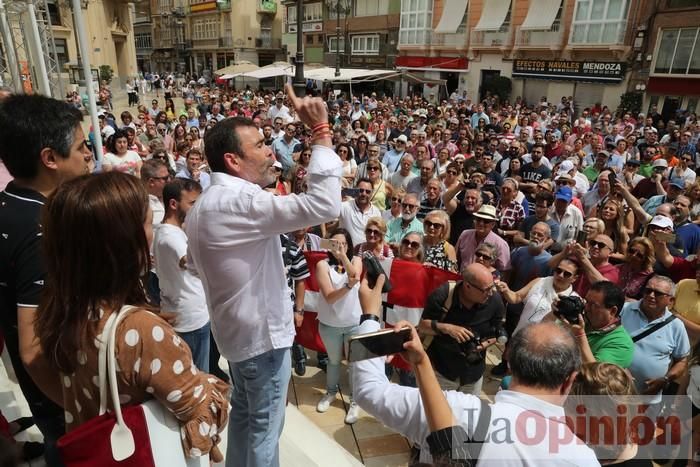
410,244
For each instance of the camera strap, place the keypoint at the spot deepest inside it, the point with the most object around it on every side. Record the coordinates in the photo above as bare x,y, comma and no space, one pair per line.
653,329
447,304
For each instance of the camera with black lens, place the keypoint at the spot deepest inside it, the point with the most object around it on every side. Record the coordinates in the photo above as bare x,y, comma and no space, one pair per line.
569,308
472,355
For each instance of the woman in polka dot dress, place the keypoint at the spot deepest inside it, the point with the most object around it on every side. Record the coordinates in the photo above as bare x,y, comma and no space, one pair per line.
86,285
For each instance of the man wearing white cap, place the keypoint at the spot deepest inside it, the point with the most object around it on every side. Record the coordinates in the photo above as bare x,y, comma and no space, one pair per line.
580,182
392,158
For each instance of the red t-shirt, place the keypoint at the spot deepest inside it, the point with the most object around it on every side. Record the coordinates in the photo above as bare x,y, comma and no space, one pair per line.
682,269
608,271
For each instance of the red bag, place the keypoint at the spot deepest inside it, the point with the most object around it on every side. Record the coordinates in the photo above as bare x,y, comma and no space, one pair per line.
145,435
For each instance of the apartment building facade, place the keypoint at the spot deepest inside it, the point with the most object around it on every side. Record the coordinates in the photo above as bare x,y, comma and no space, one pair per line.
110,32
202,36
553,48
368,32
670,71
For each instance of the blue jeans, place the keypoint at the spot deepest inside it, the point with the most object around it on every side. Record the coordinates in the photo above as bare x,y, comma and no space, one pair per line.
335,340
198,340
258,402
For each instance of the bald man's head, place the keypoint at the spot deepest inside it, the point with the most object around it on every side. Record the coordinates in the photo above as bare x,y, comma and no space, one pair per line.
543,355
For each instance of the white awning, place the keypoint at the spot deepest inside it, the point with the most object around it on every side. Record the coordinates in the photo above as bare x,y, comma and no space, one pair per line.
346,74
493,15
271,71
452,15
541,15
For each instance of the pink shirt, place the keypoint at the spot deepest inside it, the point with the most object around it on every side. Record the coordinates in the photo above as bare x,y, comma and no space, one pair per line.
467,245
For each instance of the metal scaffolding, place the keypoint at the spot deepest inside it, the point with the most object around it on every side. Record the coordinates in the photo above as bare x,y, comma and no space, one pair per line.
29,60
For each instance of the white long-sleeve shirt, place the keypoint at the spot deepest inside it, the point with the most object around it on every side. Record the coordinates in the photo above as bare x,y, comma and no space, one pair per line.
401,409
233,231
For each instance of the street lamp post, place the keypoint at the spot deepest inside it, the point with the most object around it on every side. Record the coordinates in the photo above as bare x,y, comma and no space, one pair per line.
338,6
299,80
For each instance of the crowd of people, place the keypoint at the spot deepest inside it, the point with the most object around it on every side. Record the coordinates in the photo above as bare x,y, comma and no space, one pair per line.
576,234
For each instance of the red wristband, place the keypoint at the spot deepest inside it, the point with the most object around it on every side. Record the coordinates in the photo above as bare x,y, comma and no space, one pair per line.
319,126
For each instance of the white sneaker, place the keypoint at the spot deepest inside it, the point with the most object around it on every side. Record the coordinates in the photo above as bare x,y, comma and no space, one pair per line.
325,402
353,413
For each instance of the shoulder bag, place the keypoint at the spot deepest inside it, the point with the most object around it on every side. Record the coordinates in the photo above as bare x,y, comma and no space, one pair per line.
141,435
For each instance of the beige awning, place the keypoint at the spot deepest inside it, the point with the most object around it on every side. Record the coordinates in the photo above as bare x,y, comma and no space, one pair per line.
452,15
493,15
541,15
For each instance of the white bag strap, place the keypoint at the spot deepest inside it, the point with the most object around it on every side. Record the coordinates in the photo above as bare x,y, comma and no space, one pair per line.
102,362
122,440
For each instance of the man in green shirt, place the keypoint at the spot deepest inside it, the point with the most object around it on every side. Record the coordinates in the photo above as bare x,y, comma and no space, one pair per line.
601,161
646,167
599,334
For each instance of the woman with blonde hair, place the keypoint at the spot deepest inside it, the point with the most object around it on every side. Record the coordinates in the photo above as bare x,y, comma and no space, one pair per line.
411,247
593,226
637,268
603,388
612,213
375,230
438,251
693,194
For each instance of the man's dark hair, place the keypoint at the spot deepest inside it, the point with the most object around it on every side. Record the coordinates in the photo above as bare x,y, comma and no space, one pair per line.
174,188
30,123
222,139
538,145
612,294
540,358
545,196
364,180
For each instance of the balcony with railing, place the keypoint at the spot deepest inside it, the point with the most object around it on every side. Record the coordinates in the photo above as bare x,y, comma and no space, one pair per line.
267,7
491,39
268,43
449,41
552,39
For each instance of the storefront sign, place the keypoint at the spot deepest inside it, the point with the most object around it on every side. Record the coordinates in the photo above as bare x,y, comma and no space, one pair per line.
569,70
200,7
306,27
360,60
436,63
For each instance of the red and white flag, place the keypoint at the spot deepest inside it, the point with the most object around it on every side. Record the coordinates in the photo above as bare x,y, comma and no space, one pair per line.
411,282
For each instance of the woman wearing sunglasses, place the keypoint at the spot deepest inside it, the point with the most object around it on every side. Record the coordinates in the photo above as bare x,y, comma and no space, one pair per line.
375,230
338,311
299,171
637,268
438,251
486,255
537,296
411,247
395,209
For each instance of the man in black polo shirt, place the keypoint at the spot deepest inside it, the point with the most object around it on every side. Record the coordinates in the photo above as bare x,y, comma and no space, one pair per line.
475,309
42,144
